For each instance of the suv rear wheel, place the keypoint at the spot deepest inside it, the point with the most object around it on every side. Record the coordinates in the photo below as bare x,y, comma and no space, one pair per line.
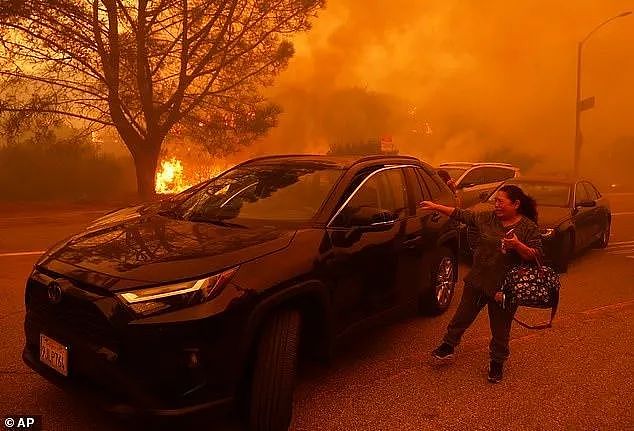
437,299
274,373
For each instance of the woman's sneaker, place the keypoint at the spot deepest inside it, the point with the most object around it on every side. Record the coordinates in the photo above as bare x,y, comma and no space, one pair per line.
442,352
495,371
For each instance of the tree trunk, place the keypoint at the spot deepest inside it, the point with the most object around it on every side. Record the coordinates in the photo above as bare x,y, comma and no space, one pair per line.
145,163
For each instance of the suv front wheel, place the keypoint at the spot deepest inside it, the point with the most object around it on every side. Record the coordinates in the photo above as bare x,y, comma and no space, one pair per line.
274,373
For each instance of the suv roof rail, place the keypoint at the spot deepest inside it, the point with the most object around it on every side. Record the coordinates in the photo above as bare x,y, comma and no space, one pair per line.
353,159
281,156
384,156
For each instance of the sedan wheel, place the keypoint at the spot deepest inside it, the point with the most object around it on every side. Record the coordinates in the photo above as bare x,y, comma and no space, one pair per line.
605,237
566,248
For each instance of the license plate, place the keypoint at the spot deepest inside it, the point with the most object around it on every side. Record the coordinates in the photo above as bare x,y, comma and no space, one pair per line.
54,354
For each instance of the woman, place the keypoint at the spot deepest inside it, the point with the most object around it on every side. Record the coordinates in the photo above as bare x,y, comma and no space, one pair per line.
506,236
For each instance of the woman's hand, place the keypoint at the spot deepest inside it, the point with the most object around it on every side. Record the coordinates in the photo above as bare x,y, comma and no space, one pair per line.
499,297
512,243
525,252
428,205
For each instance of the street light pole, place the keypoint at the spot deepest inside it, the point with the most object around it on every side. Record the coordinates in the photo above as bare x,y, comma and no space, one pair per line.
578,105
578,138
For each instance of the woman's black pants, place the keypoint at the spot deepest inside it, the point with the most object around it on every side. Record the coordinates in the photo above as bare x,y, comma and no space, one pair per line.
500,320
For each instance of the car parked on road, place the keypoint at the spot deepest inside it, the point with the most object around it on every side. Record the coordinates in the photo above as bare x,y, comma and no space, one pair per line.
572,215
205,299
476,181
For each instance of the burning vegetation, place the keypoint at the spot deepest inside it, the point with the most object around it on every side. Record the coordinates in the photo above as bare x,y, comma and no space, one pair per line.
175,175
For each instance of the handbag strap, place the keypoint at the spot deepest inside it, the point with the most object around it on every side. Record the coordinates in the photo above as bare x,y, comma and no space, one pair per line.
553,311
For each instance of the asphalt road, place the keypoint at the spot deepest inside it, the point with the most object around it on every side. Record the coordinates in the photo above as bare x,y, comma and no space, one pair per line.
578,375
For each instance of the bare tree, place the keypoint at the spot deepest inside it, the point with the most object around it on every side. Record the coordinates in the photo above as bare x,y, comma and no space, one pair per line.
142,66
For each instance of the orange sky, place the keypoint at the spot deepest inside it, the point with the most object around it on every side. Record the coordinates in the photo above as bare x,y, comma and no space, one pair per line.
486,74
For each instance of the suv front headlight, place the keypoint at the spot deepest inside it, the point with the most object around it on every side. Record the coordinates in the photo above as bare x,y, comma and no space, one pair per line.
156,299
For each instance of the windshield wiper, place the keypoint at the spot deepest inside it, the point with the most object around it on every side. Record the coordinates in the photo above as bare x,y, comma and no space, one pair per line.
170,212
216,221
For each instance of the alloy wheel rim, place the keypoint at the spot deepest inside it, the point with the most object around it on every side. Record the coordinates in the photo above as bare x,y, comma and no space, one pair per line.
445,281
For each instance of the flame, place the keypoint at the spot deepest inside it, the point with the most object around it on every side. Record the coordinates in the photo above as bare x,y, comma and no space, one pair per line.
176,175
169,178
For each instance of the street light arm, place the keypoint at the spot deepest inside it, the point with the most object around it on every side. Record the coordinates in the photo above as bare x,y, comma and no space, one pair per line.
621,15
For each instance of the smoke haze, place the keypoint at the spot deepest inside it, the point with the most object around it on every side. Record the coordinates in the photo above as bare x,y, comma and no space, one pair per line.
462,80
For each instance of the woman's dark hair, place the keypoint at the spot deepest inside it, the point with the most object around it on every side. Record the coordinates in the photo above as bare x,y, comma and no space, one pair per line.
528,206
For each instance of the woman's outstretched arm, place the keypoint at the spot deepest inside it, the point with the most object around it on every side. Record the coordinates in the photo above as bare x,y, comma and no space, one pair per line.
467,217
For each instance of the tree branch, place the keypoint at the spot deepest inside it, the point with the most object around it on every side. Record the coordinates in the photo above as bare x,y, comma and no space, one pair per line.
60,112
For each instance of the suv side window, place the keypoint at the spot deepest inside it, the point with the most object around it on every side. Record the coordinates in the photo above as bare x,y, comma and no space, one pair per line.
419,190
396,190
427,186
384,191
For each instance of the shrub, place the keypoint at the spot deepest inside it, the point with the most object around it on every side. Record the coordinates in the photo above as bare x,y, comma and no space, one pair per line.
47,168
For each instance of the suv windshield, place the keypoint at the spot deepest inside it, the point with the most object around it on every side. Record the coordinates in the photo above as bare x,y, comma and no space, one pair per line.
282,192
546,194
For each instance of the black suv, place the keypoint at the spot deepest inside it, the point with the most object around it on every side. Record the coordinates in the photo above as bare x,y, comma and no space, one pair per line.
204,298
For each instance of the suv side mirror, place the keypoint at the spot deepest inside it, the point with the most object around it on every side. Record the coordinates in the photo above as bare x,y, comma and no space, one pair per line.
373,219
586,204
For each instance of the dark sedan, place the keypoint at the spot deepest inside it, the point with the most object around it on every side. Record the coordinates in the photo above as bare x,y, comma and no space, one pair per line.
205,298
573,215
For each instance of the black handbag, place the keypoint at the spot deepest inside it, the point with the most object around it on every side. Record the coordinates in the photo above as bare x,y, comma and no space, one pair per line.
534,286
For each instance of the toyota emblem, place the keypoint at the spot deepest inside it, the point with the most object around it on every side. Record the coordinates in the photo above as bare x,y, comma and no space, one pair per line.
55,292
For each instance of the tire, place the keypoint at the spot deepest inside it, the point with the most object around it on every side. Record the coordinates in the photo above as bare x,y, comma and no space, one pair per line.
436,298
274,371
565,252
605,236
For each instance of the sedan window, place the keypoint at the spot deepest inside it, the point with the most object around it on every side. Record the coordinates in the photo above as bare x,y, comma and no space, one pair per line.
494,175
455,173
473,178
581,194
548,194
591,191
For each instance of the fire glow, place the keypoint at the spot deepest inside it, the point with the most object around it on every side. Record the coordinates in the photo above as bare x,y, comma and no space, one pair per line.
169,178
175,175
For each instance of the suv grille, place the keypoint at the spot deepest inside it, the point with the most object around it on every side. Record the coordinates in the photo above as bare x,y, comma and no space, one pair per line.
73,316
